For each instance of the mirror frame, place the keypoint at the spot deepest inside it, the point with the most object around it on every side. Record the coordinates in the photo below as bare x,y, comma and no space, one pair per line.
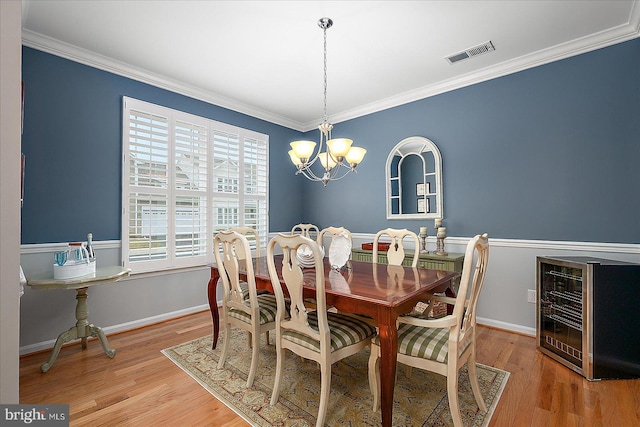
411,146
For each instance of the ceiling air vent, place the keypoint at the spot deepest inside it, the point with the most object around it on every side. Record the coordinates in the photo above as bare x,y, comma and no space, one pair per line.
474,51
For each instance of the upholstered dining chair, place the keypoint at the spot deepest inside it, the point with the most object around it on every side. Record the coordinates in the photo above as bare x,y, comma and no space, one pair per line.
307,230
396,252
254,313
332,232
445,344
319,335
250,234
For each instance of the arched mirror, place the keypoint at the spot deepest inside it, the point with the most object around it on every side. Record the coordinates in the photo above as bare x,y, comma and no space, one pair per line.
414,180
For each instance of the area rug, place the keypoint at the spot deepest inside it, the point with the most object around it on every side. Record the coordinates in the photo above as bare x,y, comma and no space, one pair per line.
420,400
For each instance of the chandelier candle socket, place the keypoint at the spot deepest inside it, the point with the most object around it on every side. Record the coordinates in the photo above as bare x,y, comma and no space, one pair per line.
339,152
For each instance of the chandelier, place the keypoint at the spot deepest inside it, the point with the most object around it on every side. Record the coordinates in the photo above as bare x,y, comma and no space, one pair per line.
340,157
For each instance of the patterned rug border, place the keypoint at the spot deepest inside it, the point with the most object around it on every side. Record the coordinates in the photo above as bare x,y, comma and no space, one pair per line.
496,390
203,384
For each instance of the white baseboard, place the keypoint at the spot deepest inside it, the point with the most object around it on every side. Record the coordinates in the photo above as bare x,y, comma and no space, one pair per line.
506,326
46,345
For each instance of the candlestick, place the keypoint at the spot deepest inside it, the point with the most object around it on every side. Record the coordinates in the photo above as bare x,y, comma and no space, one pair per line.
438,223
442,234
423,240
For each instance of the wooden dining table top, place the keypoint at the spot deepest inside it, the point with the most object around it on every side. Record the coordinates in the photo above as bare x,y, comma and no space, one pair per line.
370,283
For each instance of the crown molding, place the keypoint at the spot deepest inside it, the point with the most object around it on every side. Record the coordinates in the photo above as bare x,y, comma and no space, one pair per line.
609,37
64,50
575,47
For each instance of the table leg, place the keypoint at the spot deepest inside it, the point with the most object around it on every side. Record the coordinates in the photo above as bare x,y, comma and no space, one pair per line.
388,360
81,330
97,332
213,304
451,294
64,337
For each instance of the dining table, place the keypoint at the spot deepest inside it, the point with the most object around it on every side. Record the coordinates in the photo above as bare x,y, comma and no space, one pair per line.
380,291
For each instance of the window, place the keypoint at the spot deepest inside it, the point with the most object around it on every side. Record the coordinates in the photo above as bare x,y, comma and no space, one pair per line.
184,178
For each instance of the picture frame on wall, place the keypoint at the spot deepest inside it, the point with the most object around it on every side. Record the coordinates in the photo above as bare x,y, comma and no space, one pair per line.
423,205
420,189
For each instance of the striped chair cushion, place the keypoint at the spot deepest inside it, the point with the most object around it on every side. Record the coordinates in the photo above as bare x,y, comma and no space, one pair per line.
426,343
345,331
268,306
418,341
245,290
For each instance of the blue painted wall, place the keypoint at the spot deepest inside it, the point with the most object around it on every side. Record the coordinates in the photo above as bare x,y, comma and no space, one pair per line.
73,145
550,153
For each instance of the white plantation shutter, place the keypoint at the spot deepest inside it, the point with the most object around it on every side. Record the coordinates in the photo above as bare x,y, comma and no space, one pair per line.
226,159
147,164
255,184
147,227
191,160
184,178
240,183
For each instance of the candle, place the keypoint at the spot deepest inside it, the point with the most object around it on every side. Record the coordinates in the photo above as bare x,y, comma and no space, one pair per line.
423,230
442,231
438,222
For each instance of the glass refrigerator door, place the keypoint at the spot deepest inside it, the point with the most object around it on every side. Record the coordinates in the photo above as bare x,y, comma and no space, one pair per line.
561,319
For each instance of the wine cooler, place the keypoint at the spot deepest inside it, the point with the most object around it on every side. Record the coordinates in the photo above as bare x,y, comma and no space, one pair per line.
588,315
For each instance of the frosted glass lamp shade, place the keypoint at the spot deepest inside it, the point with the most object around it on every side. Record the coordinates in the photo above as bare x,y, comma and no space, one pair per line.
355,155
303,149
324,159
294,159
339,147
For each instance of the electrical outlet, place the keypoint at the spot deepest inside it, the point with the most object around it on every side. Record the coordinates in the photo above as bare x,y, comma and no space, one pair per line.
531,296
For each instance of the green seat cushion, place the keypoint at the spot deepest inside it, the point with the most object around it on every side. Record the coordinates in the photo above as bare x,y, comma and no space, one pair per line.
426,343
345,331
245,290
268,307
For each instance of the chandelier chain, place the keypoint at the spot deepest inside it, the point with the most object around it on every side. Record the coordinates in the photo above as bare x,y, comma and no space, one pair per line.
325,117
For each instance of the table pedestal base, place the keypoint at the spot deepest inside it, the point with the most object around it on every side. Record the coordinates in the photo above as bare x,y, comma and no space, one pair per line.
82,330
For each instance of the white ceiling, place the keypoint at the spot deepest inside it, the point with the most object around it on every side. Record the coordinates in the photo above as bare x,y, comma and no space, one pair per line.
265,58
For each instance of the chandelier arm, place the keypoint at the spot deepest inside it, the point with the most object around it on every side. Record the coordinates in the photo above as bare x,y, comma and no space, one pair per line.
335,177
308,173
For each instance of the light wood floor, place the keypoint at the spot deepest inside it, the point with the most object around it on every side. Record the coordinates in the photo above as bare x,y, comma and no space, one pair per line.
141,387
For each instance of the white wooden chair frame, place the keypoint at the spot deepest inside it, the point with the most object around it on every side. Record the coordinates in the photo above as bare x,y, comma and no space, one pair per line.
248,231
306,230
293,277
462,330
396,252
229,247
333,232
